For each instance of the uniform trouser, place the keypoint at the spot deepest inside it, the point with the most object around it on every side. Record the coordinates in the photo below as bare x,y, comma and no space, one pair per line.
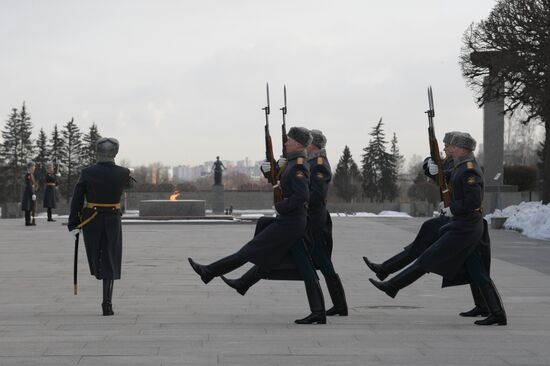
27,217
49,213
321,257
477,271
302,262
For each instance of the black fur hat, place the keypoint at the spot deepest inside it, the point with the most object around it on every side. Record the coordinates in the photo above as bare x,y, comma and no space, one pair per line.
319,139
464,140
300,135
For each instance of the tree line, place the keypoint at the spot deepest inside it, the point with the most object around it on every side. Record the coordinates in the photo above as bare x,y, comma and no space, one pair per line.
67,148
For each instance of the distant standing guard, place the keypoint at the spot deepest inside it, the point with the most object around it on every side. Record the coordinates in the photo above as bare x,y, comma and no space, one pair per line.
50,191
28,199
218,169
101,187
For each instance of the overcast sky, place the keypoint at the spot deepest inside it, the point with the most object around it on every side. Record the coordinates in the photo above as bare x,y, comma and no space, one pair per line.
183,81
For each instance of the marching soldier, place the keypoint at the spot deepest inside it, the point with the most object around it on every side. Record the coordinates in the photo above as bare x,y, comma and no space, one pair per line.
28,199
319,231
460,255
101,186
50,191
428,234
320,223
283,235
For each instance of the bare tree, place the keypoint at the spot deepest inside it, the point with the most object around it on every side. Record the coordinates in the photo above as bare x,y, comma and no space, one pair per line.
517,32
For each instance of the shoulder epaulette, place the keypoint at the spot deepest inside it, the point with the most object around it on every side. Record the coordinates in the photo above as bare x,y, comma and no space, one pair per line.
320,160
300,161
469,165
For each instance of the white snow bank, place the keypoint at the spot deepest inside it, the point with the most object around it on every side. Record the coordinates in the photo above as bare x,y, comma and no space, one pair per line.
532,219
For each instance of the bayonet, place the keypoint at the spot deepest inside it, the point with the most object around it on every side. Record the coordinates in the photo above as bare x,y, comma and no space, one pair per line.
444,191
283,127
272,177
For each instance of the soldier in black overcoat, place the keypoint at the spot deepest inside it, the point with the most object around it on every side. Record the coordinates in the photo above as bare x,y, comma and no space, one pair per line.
460,254
283,235
28,198
95,208
50,191
428,234
318,233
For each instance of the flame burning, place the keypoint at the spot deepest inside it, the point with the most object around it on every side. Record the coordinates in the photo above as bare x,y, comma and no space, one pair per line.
174,196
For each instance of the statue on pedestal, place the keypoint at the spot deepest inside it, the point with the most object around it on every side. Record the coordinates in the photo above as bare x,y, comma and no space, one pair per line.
218,169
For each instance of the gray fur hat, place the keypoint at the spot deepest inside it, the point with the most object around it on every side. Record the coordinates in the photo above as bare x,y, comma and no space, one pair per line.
319,139
107,148
449,137
300,135
464,140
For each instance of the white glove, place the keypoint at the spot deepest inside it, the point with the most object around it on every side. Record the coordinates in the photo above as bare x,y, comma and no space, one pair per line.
441,206
432,167
447,212
265,167
34,197
281,162
74,233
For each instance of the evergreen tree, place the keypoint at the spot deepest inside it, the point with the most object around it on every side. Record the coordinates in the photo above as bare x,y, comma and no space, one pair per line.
10,152
55,149
71,156
397,157
16,149
373,163
390,172
89,155
41,158
347,177
25,133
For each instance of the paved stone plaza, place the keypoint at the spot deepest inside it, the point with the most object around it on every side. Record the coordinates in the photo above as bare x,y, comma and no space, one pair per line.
166,316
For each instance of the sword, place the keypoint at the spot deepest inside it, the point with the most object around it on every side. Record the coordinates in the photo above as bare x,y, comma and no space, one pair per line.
75,272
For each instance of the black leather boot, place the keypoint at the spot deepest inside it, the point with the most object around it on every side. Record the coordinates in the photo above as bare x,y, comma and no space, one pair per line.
316,304
480,308
393,264
107,306
494,303
247,280
337,295
50,215
401,280
217,268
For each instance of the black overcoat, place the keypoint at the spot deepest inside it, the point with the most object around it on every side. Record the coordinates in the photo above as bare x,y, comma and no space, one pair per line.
49,191
465,233
101,183
271,245
320,223
429,231
28,191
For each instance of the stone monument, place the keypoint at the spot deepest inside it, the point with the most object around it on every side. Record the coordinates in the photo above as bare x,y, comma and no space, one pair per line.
493,125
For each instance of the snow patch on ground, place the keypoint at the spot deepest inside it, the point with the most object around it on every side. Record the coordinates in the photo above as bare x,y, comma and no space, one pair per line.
370,214
532,219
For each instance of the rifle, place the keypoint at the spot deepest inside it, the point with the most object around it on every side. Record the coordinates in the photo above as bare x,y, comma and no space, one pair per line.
434,152
285,137
272,178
